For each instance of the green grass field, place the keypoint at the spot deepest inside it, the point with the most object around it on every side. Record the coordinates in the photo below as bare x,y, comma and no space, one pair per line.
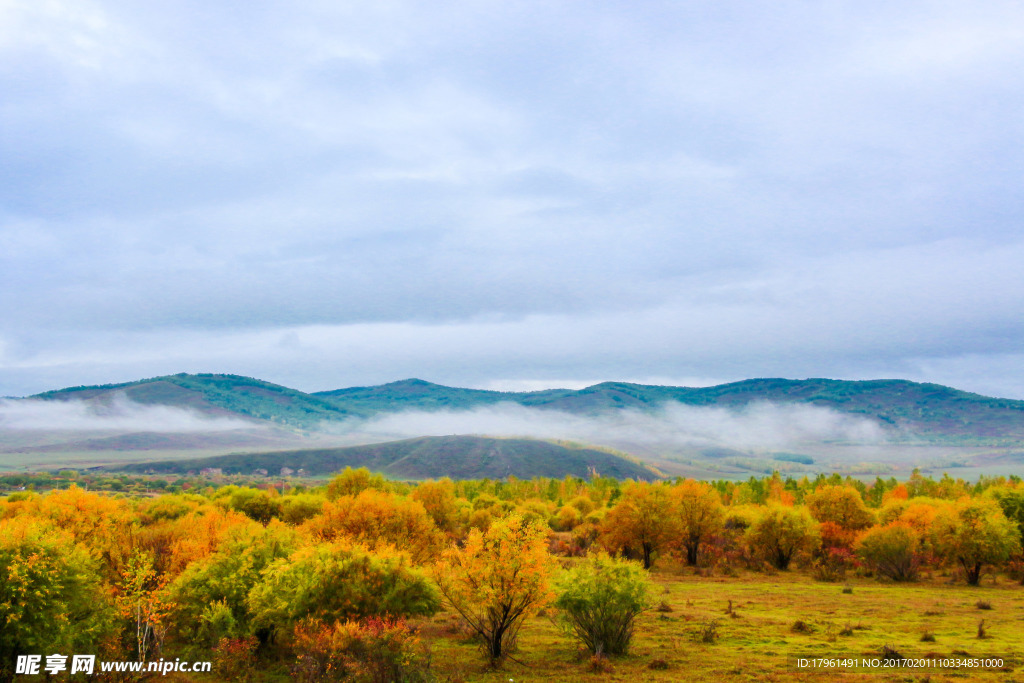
760,642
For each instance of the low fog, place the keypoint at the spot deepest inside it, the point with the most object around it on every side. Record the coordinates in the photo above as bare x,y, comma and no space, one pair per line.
120,415
759,425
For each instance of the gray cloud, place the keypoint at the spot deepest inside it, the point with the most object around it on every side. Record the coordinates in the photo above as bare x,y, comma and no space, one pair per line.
524,192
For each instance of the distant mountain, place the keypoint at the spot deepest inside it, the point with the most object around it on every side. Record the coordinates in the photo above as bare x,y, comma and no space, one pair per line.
430,457
926,411
214,396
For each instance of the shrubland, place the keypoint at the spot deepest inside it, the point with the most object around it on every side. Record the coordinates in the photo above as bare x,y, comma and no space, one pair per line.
364,578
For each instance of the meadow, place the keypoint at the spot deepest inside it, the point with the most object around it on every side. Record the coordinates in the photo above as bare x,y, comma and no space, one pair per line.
756,640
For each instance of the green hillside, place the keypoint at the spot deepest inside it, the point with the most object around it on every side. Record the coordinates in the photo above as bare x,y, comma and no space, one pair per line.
929,411
223,395
430,457
908,409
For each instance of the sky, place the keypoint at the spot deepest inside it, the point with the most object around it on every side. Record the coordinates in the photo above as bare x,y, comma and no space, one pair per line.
511,195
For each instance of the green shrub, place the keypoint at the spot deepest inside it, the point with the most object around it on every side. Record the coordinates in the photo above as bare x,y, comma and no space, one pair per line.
600,600
210,597
339,581
51,596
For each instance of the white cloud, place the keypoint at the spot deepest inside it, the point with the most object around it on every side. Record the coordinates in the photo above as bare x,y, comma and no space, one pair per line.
119,415
759,425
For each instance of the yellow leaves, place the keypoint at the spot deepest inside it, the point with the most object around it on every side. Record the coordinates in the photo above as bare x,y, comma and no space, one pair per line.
841,505
377,518
497,580
201,533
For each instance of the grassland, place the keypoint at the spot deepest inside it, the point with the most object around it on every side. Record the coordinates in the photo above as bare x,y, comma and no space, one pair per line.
759,640
759,643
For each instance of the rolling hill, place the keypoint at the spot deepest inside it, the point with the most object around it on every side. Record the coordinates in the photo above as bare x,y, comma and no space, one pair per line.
928,412
458,457
213,396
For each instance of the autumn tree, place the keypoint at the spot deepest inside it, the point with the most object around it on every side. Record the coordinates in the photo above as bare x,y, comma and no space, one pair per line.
1011,502
780,533
352,482
641,522
893,551
840,505
260,506
297,508
438,499
210,597
103,524
498,580
975,533
373,518
697,514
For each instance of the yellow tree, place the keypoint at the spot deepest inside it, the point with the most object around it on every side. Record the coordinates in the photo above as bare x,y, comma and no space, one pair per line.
974,532
780,533
840,505
438,499
698,514
641,522
498,580
373,518
352,482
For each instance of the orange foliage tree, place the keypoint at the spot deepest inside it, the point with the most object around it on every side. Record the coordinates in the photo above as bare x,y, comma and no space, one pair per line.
438,499
640,523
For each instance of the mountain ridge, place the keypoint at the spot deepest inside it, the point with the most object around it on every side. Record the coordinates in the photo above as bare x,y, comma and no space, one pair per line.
925,409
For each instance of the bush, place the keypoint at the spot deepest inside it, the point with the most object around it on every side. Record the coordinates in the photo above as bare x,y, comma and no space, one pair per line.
339,581
600,600
51,596
892,551
375,650
209,599
235,658
975,533
377,518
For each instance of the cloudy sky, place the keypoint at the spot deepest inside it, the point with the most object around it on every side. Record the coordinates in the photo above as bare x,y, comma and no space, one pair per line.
511,194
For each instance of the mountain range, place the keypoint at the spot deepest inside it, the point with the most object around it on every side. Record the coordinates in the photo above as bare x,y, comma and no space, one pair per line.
930,412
